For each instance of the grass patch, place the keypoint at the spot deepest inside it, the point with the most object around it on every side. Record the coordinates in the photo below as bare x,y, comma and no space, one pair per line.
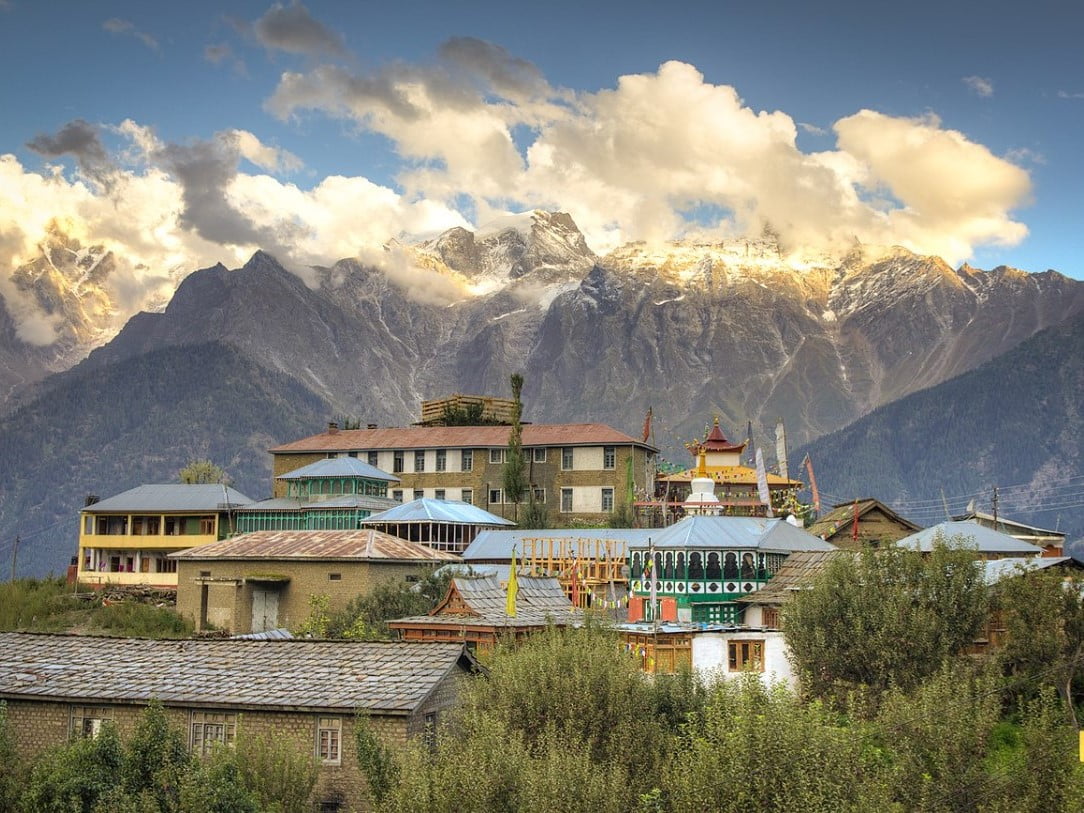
50,605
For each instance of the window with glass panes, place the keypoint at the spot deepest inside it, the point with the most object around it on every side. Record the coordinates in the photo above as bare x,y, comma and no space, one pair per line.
609,457
329,740
566,458
467,460
566,500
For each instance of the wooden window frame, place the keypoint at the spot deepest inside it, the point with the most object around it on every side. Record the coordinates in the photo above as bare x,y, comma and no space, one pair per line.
745,655
329,738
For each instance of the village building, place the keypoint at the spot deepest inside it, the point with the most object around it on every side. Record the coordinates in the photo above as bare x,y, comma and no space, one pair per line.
732,488
590,563
580,472
330,494
697,569
126,539
1052,542
306,693
864,523
267,579
448,525
986,542
475,612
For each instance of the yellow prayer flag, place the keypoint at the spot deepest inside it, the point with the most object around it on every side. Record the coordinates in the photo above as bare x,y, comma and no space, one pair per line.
513,588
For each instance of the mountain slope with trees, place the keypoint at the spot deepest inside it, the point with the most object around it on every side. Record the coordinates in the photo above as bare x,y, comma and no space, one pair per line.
106,429
1016,422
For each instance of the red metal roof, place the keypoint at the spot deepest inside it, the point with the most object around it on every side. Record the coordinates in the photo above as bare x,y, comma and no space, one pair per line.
716,441
442,437
360,544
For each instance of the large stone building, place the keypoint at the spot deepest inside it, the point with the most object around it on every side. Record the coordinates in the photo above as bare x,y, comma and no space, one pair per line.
266,579
579,472
126,539
305,693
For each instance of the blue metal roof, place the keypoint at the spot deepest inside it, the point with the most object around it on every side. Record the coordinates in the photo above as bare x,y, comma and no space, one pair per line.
338,467
757,533
497,545
425,509
970,535
153,498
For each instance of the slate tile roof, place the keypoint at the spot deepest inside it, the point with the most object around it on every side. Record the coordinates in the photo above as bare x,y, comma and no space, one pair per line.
464,437
797,572
387,677
540,601
363,544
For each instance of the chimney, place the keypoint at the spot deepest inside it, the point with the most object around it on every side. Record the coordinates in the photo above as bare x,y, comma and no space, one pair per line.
371,426
90,499
332,427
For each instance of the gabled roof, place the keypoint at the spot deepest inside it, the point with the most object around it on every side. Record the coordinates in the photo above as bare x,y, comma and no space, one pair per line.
364,544
759,533
797,572
384,677
540,600
496,546
170,497
338,467
979,537
842,514
425,509
461,437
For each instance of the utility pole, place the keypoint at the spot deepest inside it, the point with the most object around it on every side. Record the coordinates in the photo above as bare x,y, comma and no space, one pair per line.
14,554
995,508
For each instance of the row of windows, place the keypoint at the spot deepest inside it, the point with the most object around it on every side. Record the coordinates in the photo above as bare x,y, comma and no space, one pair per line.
118,525
206,730
708,565
466,460
497,497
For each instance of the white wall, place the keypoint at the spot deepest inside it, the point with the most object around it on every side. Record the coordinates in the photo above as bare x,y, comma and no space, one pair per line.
711,660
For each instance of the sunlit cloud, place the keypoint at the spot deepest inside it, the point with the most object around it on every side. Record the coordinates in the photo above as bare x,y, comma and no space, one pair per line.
979,85
128,28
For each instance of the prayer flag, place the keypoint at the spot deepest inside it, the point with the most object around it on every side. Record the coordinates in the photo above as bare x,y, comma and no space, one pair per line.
513,588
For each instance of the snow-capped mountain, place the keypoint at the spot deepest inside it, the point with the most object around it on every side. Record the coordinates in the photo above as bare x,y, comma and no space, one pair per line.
739,329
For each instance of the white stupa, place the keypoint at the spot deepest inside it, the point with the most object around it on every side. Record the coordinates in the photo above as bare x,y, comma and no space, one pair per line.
702,501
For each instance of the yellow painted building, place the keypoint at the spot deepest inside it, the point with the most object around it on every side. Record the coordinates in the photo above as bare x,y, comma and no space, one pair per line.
126,539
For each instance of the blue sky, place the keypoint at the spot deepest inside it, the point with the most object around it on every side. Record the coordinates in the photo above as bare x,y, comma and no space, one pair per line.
423,115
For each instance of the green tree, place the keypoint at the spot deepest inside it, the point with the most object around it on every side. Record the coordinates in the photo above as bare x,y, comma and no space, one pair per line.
885,618
74,777
939,736
203,471
514,473
376,760
11,767
276,773
156,760
216,785
752,747
1043,616
366,616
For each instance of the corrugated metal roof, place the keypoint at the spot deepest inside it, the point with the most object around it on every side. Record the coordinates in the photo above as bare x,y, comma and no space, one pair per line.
994,570
497,545
171,497
390,677
758,533
364,544
978,537
466,437
279,634
338,467
425,509
344,501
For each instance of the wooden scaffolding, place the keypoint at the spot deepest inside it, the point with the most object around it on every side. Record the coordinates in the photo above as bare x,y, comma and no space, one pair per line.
590,569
